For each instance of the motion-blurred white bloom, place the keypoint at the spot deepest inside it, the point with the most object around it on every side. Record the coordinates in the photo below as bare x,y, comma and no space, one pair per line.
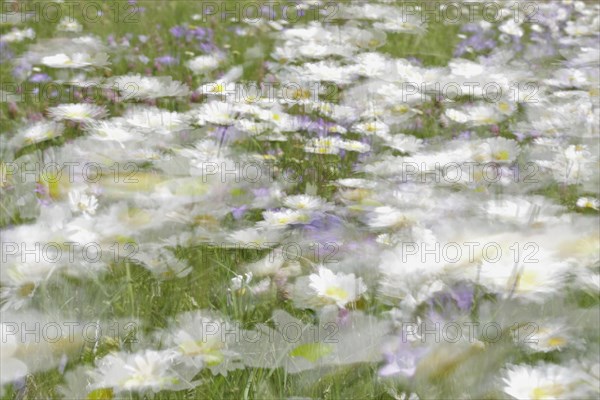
283,218
203,64
77,60
386,217
323,145
339,288
586,202
148,87
17,35
78,112
68,24
36,133
83,203
12,368
354,145
544,381
304,202
511,27
148,370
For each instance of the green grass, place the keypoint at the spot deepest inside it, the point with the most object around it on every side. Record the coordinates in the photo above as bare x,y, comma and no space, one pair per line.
131,292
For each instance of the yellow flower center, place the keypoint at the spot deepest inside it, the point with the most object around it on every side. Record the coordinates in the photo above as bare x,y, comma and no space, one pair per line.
556,341
336,292
546,392
502,155
26,289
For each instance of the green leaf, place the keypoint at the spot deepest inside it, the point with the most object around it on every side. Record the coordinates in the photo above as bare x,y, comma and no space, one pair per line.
311,351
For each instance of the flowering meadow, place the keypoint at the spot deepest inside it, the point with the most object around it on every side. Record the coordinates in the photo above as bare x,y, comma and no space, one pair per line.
301,199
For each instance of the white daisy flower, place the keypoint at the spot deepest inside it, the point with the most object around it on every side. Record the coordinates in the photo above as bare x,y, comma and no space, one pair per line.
322,146
111,131
68,24
147,370
588,202
78,112
533,280
202,340
499,150
80,202
304,202
77,60
404,143
148,87
544,381
283,218
36,133
218,113
12,368
339,288
21,281
377,128
153,119
18,35
387,217
354,145
203,64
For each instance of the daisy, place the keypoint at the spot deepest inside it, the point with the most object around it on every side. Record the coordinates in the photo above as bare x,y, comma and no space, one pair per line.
217,112
203,64
304,202
68,24
82,203
111,131
283,218
377,128
545,337
404,143
153,119
255,237
17,35
387,217
225,85
77,60
78,112
146,370
499,150
543,381
339,288
21,281
354,145
36,133
476,115
533,280
12,368
587,202
326,71
148,87
202,340
322,146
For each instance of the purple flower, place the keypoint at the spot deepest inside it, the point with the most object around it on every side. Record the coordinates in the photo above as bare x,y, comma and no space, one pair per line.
405,358
165,60
238,212
177,31
463,296
38,78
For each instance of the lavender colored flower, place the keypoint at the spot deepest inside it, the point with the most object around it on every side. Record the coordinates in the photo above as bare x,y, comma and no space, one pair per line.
238,212
405,358
39,78
177,31
165,60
